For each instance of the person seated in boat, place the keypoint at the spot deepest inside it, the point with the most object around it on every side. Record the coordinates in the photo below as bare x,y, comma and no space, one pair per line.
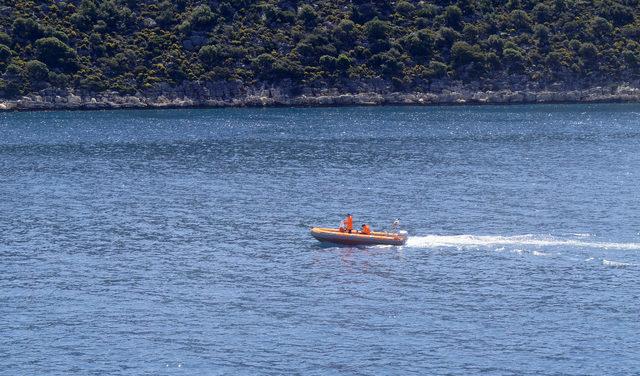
343,226
366,230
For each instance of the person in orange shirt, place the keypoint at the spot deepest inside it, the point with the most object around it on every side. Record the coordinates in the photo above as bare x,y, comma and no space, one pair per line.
366,230
348,223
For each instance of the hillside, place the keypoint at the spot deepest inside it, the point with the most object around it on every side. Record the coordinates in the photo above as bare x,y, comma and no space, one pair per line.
234,52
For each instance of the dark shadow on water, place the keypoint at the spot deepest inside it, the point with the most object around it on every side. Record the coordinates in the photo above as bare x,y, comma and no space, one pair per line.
323,245
343,247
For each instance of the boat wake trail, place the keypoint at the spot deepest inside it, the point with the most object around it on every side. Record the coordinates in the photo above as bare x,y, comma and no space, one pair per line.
466,241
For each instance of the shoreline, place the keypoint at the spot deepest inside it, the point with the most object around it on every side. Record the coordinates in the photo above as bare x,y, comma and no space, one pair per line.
274,98
387,104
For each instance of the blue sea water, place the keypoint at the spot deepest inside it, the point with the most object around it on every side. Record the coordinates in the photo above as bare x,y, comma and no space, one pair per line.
176,242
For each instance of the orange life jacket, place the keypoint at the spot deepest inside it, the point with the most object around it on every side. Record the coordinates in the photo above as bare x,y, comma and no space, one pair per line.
366,230
349,223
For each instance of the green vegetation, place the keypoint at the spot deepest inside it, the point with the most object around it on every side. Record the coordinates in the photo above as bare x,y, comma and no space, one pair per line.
130,46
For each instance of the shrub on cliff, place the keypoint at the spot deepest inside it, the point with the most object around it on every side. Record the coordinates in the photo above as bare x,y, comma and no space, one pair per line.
588,53
346,34
437,69
27,29
631,59
166,14
376,30
343,62
388,63
446,37
200,18
5,54
311,48
115,16
273,67
514,60
212,55
453,16
36,70
405,8
419,44
86,15
462,53
308,16
13,80
620,14
542,12
542,34
5,38
328,63
520,20
56,53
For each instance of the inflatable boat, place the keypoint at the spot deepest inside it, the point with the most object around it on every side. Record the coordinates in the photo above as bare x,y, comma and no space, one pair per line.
333,235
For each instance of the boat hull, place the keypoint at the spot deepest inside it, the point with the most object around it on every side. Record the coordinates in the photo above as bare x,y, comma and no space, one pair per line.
330,235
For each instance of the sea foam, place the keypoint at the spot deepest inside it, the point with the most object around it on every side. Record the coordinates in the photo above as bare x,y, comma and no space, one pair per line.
616,264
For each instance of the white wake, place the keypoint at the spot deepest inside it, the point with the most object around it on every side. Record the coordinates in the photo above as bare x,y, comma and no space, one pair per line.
616,264
465,241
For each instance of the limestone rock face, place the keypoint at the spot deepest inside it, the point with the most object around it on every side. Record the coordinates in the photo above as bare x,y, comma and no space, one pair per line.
233,93
74,99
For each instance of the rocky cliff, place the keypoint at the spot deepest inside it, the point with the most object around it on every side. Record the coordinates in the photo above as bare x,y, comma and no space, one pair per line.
234,94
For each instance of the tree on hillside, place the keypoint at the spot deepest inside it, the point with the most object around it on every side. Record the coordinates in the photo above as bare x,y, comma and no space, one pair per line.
36,70
5,54
27,29
55,53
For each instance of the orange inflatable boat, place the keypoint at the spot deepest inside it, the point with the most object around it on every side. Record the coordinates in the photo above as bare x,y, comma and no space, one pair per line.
333,235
